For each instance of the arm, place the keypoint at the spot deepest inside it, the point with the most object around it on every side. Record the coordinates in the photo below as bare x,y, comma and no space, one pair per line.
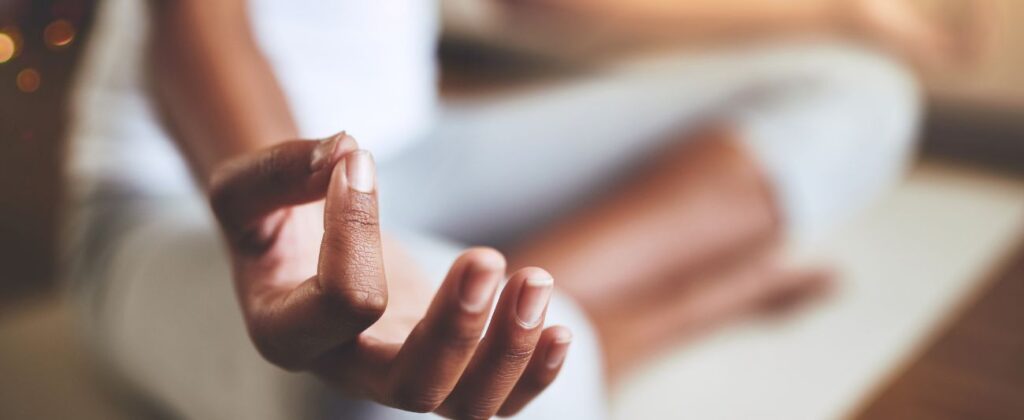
694,16
300,220
197,50
897,25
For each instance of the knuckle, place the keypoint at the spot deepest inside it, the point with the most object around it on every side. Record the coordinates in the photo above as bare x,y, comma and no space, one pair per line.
360,304
357,287
507,375
517,355
360,218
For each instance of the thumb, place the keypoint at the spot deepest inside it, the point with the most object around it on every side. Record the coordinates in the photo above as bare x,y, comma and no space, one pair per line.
351,267
349,292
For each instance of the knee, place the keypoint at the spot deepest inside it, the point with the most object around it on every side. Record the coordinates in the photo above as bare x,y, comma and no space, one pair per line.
876,92
863,110
834,146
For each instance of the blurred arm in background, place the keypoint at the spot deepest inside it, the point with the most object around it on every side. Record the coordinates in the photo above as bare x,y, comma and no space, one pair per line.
691,241
902,26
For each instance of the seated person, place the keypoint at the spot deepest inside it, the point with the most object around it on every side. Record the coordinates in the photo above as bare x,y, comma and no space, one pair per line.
654,192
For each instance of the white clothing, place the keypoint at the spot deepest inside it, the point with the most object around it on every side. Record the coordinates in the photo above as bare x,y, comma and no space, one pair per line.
832,127
365,66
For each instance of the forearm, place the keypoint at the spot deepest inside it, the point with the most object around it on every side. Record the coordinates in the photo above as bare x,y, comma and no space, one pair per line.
218,94
707,17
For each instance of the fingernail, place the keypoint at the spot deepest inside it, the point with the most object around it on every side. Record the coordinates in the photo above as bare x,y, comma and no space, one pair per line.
361,171
533,298
559,348
325,152
478,286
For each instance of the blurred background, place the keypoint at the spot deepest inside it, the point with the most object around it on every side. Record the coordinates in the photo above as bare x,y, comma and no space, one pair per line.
953,350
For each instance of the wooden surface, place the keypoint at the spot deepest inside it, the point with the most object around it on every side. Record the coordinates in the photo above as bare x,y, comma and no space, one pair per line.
975,370
907,268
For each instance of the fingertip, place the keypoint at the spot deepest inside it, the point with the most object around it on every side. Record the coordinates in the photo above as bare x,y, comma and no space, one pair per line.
329,151
354,171
361,307
483,269
533,276
559,334
483,258
560,339
361,171
348,143
535,288
338,178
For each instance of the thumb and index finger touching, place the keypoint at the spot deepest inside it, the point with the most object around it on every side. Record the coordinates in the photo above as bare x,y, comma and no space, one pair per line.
292,325
246,190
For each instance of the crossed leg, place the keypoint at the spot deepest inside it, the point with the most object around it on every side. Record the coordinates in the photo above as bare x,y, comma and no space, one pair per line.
516,173
656,192
684,246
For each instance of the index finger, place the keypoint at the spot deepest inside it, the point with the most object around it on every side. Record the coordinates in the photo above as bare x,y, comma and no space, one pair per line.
247,189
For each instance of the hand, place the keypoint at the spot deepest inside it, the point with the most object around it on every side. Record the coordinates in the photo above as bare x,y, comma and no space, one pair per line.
315,296
925,39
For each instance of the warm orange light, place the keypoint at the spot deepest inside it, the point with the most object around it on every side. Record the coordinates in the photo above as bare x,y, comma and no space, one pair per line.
59,33
7,48
28,80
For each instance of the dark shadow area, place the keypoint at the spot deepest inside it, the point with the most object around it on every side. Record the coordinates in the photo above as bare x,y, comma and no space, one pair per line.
985,135
34,90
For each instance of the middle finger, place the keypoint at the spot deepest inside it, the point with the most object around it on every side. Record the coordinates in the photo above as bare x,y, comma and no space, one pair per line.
505,350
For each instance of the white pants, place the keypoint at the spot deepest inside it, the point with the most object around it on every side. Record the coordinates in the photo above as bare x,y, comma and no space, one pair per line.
831,126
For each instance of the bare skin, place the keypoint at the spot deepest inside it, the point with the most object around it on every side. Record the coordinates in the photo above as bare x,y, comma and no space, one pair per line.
700,201
320,298
649,264
689,242
300,221
901,26
644,259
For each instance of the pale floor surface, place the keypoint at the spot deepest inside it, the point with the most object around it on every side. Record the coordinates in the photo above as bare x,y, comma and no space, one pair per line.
907,264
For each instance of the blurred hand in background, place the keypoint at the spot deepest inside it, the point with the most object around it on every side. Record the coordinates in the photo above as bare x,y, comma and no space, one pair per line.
932,35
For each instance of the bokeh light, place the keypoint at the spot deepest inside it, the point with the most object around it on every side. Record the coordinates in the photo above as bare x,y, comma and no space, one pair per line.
28,80
59,33
7,47
12,34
